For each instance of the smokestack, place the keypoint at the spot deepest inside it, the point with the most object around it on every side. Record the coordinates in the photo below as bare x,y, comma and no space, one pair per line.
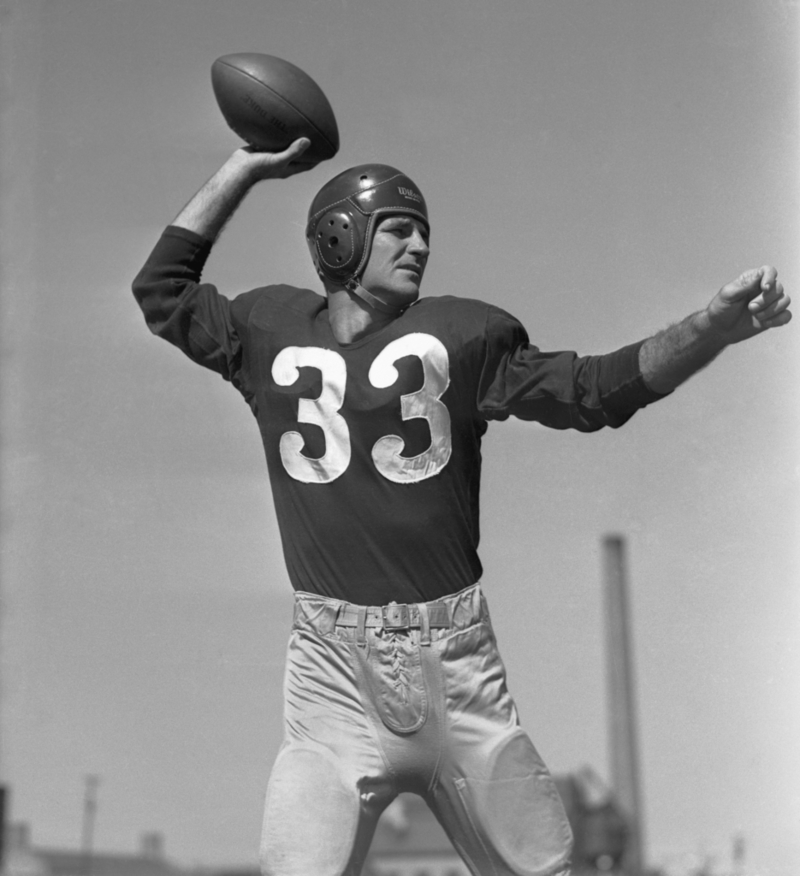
622,709
89,815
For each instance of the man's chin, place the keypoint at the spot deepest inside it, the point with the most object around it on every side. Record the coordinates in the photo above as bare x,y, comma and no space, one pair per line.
402,297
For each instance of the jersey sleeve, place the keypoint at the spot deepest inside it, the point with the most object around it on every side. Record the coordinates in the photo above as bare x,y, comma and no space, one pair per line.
192,315
558,389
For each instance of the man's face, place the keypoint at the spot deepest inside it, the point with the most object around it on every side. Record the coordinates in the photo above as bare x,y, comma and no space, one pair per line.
397,260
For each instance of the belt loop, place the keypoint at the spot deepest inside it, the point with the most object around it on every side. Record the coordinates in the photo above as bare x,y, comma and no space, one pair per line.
326,618
361,627
424,624
338,612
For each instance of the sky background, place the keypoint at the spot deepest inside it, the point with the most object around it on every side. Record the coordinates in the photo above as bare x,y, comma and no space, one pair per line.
597,168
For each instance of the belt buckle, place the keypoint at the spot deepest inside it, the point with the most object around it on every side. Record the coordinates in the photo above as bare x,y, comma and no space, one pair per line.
395,616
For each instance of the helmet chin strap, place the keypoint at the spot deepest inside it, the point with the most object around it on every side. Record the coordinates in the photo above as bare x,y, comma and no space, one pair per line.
352,285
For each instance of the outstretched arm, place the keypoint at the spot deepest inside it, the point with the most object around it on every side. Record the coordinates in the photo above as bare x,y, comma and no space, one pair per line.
750,305
215,203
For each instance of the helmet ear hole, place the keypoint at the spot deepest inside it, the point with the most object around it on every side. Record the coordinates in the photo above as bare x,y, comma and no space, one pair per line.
335,244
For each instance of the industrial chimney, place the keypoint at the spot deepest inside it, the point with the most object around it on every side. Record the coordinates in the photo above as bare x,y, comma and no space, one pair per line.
622,735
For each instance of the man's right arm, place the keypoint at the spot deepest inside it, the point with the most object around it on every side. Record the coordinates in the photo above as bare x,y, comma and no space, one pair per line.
215,203
176,306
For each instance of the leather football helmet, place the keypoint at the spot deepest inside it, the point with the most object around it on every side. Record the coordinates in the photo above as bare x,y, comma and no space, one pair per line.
343,216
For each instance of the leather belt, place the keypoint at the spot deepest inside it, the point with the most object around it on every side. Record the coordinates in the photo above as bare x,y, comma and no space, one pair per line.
395,616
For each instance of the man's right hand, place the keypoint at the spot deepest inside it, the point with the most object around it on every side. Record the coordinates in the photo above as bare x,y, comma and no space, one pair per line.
274,165
209,210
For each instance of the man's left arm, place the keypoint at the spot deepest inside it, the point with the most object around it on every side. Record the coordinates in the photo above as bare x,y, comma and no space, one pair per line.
750,305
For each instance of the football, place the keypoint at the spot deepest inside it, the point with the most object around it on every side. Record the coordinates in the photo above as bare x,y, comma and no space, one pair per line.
269,103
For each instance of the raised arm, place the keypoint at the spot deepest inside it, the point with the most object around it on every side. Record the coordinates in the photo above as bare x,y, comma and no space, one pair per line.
177,307
215,203
749,306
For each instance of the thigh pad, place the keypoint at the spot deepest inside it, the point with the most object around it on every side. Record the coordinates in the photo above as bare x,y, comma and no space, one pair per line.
516,812
311,815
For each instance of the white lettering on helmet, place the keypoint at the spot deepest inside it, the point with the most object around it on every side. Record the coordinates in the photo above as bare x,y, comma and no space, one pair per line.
409,193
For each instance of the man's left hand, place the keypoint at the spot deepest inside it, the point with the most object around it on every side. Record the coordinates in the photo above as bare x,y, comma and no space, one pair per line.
751,304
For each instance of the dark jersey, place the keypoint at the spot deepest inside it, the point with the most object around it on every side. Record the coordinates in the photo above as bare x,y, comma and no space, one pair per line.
374,447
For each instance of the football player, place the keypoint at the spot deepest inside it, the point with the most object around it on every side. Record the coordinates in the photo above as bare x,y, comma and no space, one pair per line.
372,403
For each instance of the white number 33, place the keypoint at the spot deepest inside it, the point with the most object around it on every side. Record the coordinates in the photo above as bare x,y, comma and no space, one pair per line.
323,411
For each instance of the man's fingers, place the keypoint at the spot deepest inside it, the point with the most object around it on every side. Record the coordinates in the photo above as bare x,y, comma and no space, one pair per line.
776,305
279,165
766,297
769,276
288,162
294,151
781,319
